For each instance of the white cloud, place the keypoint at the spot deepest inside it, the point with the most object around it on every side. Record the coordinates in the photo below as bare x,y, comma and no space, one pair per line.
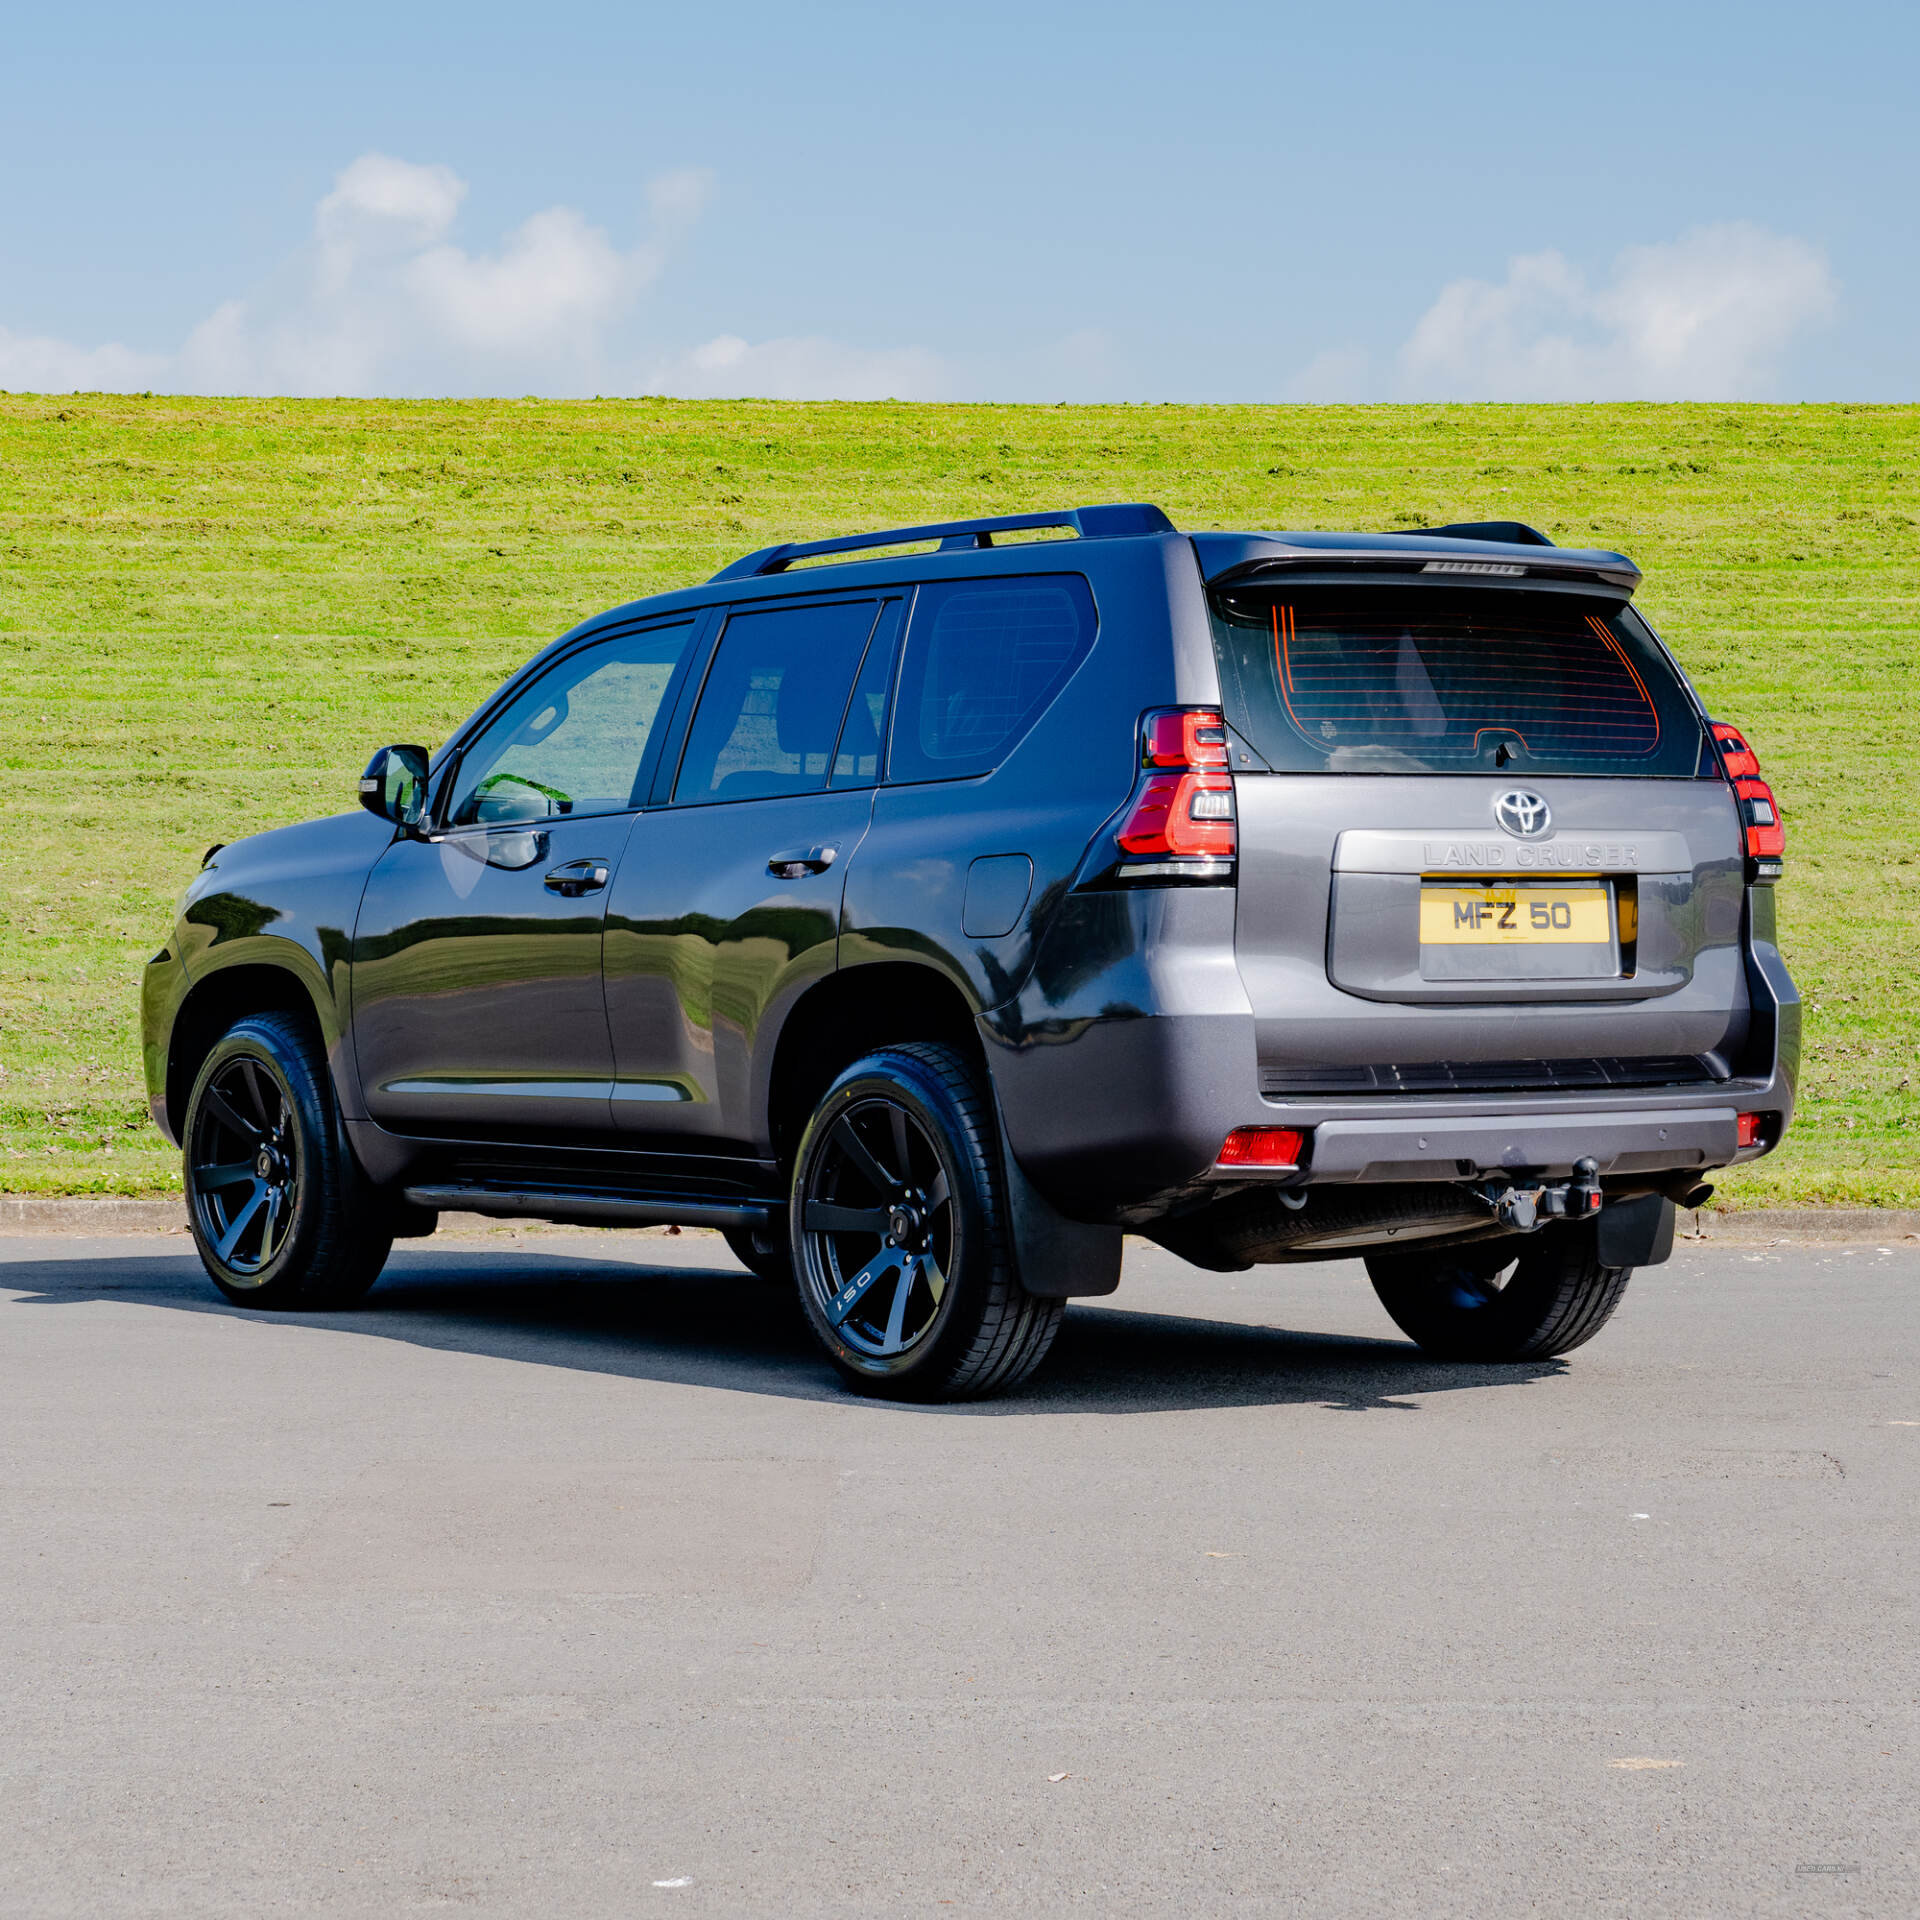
679,198
556,284
385,301
801,368
33,363
382,208
1704,317
1340,373
393,305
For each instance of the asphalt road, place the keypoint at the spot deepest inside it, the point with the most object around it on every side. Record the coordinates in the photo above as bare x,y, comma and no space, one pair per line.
553,1583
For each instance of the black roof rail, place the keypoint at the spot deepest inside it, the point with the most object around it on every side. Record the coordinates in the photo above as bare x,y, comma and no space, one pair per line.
1090,523
1512,533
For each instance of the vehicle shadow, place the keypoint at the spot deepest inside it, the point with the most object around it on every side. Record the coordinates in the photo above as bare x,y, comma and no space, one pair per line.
718,1327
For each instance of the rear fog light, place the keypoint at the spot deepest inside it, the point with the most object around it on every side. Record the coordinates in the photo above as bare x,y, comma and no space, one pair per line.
1274,1148
1746,1130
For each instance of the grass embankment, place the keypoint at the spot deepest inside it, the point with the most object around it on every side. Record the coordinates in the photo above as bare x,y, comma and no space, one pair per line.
210,612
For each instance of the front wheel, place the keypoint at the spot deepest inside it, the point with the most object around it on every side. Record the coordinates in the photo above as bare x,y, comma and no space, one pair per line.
1501,1300
899,1234
280,1212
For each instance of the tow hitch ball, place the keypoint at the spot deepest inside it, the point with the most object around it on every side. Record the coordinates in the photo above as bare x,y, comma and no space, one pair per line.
1524,1208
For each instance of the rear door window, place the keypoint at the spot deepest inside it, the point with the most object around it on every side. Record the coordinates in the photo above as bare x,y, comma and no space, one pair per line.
1391,680
771,709
984,660
857,761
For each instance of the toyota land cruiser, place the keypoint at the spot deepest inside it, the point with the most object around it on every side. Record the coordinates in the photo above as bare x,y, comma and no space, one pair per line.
925,920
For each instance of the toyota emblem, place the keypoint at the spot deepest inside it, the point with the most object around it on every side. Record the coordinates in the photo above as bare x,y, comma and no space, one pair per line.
1523,813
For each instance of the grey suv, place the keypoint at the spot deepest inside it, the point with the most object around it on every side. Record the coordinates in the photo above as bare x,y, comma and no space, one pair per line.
927,909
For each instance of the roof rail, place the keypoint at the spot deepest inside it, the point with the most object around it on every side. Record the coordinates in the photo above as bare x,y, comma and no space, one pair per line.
1090,523
1512,533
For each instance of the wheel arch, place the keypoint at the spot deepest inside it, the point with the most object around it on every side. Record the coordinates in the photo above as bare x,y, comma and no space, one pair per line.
849,1013
217,999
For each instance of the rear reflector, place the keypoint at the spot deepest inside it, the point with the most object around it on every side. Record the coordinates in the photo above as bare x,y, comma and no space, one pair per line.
1269,1147
1746,1130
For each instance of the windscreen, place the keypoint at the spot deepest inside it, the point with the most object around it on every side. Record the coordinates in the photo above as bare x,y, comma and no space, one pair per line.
1357,679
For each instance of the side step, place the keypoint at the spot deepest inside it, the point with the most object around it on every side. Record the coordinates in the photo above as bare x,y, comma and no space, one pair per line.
576,1209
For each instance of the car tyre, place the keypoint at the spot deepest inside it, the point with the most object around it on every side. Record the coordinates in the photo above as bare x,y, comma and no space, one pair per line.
278,1207
899,1233
1499,1300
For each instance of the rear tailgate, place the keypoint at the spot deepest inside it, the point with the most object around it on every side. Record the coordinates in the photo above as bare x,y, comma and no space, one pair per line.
1348,997
1483,845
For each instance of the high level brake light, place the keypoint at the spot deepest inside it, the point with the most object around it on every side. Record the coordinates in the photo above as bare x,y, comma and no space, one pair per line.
1180,824
1766,837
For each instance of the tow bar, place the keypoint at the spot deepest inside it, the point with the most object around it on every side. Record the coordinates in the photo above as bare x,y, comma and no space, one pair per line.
1525,1208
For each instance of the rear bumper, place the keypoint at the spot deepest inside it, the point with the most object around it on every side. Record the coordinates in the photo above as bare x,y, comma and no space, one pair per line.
1128,1120
1117,1114
1403,1147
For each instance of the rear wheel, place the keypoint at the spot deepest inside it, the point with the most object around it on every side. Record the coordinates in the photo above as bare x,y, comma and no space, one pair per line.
1502,1299
899,1237
280,1212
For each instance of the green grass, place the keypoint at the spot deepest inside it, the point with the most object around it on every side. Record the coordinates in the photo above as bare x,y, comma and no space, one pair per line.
211,611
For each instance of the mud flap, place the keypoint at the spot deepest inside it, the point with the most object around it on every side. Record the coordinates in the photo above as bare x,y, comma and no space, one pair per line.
1636,1232
1056,1258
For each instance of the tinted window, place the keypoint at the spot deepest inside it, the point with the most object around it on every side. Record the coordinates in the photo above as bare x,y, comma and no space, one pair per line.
984,659
770,712
1392,680
857,762
572,742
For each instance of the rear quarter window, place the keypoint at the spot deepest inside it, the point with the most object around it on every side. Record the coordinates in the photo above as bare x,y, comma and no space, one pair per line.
1392,680
984,659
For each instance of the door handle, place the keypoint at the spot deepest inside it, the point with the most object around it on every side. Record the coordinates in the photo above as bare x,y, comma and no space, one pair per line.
792,866
576,878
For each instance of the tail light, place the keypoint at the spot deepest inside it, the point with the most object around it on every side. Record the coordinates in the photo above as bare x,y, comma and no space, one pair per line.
1184,737
1759,811
1276,1149
1180,822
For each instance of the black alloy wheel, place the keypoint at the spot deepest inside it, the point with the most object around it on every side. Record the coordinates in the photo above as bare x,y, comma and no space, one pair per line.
898,1237
279,1210
243,1164
1524,1298
879,1213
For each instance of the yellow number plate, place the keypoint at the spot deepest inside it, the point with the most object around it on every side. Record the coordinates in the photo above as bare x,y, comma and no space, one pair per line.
1514,916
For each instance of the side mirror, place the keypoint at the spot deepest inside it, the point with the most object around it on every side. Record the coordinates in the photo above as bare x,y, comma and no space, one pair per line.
395,785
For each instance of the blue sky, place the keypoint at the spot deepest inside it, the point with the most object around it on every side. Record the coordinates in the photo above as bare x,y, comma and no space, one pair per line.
1135,202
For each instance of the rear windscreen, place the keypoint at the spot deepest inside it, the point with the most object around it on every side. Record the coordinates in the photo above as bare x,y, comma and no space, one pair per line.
1439,680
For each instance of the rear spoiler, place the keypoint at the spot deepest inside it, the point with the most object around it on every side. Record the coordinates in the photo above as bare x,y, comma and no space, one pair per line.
1491,550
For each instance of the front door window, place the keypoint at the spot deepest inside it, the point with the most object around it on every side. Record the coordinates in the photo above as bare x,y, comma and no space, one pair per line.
572,743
